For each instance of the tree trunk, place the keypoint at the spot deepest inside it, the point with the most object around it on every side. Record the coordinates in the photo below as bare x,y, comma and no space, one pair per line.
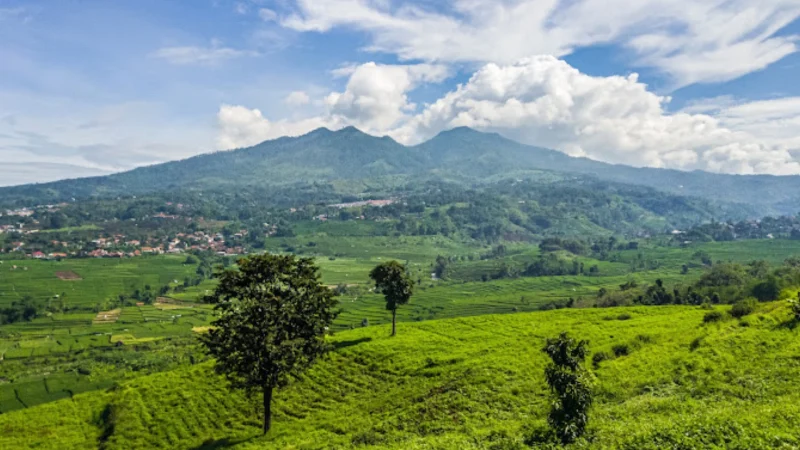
394,322
267,408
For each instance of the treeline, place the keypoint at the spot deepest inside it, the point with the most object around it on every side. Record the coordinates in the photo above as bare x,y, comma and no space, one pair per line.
23,310
722,283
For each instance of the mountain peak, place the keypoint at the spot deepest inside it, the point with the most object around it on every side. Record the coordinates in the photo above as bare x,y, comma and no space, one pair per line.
465,132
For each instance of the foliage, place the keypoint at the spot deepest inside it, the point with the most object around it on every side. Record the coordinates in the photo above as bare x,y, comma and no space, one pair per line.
712,316
724,394
569,383
767,290
273,316
743,308
393,282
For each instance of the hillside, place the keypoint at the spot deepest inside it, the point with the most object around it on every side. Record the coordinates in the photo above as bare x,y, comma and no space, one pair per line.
469,383
462,154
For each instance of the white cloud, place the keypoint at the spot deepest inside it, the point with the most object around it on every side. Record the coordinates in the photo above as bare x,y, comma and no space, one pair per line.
70,139
242,127
191,55
375,97
544,101
297,98
692,41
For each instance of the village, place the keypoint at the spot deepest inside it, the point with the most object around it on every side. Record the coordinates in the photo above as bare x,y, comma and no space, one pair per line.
118,246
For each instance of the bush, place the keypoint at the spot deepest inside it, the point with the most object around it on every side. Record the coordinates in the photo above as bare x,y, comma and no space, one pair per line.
712,316
624,317
599,357
743,308
768,290
621,350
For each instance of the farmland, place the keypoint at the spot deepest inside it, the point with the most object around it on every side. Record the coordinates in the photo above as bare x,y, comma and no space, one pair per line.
60,354
469,383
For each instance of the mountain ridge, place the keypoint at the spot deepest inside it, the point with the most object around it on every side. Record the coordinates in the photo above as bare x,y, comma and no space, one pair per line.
324,155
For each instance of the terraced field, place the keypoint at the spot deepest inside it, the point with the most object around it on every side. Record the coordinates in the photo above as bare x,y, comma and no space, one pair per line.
64,335
469,383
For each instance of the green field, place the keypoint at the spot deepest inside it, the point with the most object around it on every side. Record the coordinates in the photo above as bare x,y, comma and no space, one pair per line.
27,346
100,278
469,383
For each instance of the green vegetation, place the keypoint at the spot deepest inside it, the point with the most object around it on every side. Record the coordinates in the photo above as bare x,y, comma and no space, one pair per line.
273,314
350,160
569,383
392,280
469,383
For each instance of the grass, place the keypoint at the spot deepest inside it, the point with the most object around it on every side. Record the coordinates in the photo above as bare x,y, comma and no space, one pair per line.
468,383
101,278
28,348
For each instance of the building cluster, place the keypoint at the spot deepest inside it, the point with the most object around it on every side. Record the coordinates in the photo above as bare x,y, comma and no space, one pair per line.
118,246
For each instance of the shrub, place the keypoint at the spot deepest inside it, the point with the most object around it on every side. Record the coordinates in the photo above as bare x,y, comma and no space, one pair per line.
624,317
599,357
712,316
621,350
743,308
794,305
696,343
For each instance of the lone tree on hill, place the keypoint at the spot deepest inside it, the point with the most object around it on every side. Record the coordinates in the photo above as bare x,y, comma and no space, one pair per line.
396,286
273,316
569,383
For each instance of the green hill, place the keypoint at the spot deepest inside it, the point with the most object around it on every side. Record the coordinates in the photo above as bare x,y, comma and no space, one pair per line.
348,155
669,381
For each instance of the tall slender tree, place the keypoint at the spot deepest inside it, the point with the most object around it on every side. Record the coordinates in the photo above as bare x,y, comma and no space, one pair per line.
273,314
396,286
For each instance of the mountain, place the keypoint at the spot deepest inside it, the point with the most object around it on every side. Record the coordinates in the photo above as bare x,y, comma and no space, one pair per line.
349,154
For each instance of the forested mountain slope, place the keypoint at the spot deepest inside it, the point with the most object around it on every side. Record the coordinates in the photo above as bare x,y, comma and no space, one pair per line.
461,154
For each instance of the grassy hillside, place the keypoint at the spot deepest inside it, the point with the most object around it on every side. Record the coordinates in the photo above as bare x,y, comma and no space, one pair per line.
473,383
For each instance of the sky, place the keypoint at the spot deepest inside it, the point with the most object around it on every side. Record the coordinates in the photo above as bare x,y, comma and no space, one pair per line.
90,87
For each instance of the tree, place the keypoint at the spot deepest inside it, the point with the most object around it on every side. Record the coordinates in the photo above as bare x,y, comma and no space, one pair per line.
569,384
273,316
767,290
396,286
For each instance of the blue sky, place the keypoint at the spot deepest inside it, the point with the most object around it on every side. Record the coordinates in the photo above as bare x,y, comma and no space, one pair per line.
92,87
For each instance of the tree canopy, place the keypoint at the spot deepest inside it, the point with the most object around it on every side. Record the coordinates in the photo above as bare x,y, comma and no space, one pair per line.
273,316
393,282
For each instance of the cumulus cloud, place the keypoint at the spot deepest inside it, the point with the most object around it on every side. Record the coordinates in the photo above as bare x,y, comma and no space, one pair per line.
297,98
544,101
191,55
375,99
376,95
243,127
689,40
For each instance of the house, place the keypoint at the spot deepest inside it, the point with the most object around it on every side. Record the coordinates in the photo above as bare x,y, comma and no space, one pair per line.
38,255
